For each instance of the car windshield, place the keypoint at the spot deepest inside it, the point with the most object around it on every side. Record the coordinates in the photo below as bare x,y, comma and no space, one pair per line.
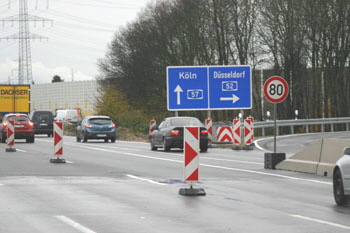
100,121
18,118
185,122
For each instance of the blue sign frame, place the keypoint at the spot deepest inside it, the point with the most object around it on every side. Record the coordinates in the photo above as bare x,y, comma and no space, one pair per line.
209,87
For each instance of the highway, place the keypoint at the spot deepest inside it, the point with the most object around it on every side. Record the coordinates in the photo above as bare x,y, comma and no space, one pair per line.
126,187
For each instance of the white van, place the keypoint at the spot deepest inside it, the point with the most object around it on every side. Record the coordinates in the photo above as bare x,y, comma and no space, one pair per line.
68,115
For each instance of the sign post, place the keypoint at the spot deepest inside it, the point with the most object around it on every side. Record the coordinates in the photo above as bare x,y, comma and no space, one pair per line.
276,91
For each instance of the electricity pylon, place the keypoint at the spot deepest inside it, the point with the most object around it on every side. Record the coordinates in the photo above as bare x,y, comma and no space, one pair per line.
24,36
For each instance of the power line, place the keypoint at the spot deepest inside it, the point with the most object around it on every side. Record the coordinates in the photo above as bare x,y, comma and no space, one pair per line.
23,36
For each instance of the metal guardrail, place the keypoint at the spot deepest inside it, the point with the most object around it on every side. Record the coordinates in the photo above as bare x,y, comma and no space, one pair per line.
292,123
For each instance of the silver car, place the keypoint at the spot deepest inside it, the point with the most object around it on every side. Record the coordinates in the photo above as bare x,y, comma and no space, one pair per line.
341,179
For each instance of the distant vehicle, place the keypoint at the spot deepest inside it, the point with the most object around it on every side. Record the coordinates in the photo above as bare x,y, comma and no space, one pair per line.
24,128
96,127
341,179
67,115
14,99
43,122
170,134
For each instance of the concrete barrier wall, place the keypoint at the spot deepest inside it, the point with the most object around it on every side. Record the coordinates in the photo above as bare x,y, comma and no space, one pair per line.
319,158
332,150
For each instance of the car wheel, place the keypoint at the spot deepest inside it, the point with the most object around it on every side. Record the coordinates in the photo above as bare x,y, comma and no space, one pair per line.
204,148
30,140
338,189
84,138
3,139
165,145
106,139
154,148
113,139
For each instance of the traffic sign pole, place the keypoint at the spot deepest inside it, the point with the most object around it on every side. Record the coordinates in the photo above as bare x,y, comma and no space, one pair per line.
275,90
274,128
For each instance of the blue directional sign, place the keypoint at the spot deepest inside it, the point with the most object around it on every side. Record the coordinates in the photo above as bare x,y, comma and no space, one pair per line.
209,87
230,87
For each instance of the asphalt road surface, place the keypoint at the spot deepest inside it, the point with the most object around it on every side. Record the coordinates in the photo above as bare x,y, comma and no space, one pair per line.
126,187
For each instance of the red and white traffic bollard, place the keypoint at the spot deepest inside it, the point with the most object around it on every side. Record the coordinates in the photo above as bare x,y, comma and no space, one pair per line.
248,131
191,161
237,132
10,136
209,127
58,142
152,123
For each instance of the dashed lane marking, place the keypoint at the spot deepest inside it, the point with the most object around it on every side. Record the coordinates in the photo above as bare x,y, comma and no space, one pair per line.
143,179
321,221
74,224
212,166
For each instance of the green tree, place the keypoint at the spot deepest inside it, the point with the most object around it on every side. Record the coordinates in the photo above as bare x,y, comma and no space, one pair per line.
57,79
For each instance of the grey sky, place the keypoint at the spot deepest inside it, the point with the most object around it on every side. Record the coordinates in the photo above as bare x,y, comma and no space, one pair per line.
78,36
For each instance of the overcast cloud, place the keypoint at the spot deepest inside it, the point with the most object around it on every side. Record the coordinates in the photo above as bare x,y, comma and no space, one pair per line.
77,36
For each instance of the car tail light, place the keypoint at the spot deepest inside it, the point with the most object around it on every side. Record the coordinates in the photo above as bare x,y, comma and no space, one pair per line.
204,132
5,124
88,126
112,126
30,123
175,132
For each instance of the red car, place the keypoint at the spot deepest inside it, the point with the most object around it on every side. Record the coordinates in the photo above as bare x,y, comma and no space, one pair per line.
24,128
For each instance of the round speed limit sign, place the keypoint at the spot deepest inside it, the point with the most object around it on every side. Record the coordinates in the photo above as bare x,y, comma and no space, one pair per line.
276,89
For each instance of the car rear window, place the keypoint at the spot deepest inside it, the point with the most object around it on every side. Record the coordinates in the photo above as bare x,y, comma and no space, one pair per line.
186,122
100,121
44,117
18,118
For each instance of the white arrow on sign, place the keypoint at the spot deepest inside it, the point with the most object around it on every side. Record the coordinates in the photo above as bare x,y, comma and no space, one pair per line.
234,98
178,90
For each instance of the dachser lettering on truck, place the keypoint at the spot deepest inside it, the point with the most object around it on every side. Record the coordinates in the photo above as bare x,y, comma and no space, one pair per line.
14,98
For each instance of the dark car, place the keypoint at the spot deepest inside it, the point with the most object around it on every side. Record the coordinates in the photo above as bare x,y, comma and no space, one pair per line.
170,133
43,122
96,127
24,128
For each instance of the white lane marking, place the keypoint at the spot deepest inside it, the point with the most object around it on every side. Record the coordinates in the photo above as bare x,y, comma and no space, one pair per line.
181,155
1,184
67,161
175,154
232,160
256,143
212,166
74,224
21,150
143,179
321,221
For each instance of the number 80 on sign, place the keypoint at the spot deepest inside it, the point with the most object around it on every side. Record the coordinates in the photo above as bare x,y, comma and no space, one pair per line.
276,89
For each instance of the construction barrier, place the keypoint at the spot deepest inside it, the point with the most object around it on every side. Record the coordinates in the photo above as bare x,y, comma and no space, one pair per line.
209,127
318,158
10,136
236,132
152,123
224,134
191,152
58,142
191,161
248,131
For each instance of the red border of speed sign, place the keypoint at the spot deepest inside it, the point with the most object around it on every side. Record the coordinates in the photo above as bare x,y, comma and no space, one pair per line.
284,83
